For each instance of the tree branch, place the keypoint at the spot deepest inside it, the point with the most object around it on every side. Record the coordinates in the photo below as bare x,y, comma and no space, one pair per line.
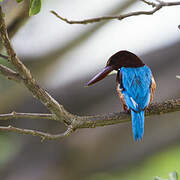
116,118
10,74
43,135
16,115
87,121
156,7
51,104
73,122
149,3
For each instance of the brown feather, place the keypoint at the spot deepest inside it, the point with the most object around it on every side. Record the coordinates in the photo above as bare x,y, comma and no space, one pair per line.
153,87
119,91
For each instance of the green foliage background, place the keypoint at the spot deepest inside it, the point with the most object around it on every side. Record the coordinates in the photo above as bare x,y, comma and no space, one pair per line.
35,6
160,164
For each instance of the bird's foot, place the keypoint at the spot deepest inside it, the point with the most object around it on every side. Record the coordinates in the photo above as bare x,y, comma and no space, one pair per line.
126,110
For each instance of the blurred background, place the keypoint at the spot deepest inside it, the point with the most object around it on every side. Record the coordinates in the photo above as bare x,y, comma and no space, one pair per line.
63,58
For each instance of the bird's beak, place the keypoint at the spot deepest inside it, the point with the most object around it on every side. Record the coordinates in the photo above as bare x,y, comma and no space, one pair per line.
100,75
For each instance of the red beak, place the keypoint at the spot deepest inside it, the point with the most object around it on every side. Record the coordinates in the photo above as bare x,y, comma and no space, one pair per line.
100,75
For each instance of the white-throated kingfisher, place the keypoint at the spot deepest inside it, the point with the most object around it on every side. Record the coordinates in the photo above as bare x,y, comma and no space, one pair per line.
135,86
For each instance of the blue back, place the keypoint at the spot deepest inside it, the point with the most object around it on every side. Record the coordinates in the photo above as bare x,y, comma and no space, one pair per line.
136,84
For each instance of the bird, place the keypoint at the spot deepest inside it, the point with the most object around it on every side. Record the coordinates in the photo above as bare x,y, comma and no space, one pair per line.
135,86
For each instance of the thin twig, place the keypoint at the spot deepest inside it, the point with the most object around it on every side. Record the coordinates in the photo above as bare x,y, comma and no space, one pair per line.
10,74
17,115
149,3
157,7
43,135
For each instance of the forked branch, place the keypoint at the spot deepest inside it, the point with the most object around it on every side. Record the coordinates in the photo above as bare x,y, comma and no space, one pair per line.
43,135
87,121
51,104
156,6
58,113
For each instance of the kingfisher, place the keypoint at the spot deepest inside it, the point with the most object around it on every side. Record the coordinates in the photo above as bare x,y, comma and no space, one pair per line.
135,86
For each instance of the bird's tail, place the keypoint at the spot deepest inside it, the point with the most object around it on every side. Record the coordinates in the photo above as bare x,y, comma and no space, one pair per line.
137,124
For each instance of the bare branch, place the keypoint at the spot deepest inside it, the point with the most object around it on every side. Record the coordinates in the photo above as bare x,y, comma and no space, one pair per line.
73,122
10,74
51,104
16,115
88,121
149,3
116,118
157,7
101,120
43,135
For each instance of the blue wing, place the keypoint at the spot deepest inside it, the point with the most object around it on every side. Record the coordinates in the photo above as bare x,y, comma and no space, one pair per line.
136,83
136,87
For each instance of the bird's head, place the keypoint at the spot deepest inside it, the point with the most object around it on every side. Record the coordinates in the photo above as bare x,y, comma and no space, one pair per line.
115,62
